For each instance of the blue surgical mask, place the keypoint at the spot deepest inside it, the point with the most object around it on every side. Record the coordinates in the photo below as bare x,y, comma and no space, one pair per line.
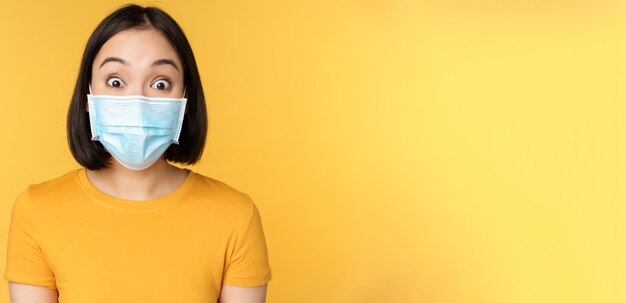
135,130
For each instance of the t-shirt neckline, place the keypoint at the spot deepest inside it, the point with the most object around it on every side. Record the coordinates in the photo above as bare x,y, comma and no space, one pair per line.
143,205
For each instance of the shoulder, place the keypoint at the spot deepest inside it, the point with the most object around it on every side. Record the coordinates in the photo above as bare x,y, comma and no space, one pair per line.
36,195
222,195
53,187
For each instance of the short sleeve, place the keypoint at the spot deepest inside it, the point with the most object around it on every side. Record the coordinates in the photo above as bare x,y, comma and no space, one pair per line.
25,262
248,264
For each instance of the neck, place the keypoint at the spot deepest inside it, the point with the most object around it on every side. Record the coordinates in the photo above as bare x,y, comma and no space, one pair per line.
155,181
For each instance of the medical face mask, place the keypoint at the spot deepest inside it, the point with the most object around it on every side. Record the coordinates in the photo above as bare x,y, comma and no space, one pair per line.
135,130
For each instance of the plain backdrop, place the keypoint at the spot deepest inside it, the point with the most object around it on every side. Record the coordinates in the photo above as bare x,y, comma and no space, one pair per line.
398,151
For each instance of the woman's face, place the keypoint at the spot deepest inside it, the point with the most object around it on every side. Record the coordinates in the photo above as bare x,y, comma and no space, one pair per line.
137,62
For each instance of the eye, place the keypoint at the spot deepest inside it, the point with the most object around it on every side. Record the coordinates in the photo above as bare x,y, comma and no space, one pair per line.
115,82
161,84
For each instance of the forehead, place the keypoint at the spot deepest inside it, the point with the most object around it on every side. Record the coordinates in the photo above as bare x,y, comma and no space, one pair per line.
139,47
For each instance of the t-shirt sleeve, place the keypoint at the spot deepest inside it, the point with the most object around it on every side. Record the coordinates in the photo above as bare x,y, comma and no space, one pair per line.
248,264
25,262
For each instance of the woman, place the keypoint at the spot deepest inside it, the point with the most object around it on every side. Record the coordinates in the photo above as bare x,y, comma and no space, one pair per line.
129,226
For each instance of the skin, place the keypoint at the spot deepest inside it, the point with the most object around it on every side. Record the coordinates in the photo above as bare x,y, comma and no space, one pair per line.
137,62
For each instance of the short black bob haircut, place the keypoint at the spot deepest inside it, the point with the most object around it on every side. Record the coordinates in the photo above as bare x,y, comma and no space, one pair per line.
92,154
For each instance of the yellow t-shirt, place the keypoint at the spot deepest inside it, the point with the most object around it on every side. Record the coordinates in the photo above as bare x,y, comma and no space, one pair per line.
92,247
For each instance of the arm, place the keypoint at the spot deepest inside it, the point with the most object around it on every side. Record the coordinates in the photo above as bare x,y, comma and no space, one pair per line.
25,293
236,294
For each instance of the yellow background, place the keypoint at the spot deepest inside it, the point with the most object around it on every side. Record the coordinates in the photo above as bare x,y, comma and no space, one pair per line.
399,151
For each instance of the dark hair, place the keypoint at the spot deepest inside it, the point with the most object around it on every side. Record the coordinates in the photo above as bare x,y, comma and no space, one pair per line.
92,154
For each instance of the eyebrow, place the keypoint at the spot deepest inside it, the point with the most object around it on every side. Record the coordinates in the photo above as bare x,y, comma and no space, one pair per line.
165,61
113,59
155,63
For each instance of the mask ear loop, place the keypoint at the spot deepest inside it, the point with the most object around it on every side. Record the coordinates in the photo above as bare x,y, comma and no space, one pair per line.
184,97
90,89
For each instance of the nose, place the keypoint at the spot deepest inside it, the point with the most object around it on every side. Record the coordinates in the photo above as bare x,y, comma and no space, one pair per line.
136,90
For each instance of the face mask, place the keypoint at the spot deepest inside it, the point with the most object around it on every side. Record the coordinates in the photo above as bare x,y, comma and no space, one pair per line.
135,130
